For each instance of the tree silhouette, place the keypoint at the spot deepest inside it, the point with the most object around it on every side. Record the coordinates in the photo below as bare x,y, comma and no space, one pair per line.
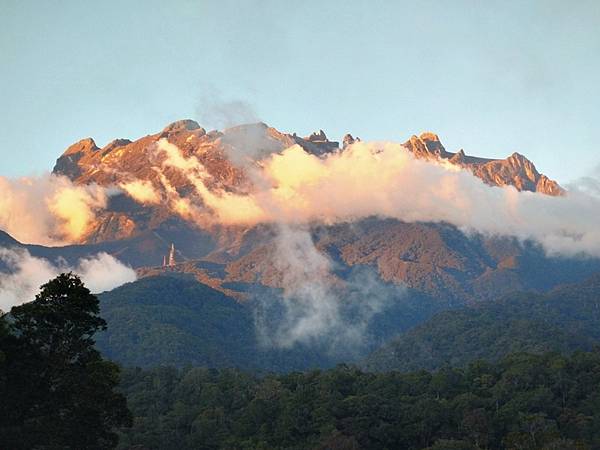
58,391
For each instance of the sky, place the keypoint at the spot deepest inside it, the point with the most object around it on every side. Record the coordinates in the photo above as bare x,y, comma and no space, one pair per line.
491,77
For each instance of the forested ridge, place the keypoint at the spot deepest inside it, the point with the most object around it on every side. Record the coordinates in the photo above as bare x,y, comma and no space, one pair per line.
563,320
177,321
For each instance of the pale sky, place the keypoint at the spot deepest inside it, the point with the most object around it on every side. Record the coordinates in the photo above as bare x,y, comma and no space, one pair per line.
491,77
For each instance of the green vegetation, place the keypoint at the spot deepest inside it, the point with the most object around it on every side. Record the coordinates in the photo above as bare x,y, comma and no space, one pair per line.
164,320
56,390
58,393
174,321
523,402
169,320
563,320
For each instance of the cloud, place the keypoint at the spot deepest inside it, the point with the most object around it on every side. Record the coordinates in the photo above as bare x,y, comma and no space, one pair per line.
208,205
384,179
246,144
316,307
49,209
27,273
141,191
588,184
217,112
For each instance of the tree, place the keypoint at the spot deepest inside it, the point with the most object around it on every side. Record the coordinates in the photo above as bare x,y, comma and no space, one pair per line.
59,392
4,336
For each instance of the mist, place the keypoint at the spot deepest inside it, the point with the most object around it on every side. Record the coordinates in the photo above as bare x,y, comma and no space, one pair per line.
48,209
217,112
316,307
26,273
294,187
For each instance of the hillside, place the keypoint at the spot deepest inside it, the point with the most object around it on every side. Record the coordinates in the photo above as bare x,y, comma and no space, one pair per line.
175,320
563,320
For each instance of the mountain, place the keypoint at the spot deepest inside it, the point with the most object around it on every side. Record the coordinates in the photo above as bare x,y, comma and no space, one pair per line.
435,259
516,170
175,314
123,161
167,320
85,162
563,320
175,320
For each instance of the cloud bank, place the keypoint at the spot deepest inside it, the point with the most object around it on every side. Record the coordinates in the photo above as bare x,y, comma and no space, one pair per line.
49,209
27,273
384,179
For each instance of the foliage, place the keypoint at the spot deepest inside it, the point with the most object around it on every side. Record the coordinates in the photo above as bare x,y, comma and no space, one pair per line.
523,402
58,392
563,320
169,320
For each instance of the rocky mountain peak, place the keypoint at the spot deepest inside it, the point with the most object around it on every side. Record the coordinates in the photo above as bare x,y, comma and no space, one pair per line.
317,137
83,146
116,143
516,170
426,146
349,140
182,125
459,158
68,163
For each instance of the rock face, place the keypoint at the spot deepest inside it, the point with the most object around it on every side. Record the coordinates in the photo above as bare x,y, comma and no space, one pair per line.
349,140
435,259
75,158
84,162
516,170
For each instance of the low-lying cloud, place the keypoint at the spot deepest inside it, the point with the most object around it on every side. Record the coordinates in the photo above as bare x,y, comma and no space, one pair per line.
49,209
315,306
26,273
142,191
384,179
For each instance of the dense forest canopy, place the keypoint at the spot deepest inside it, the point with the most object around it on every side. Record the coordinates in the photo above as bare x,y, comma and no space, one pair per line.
523,402
563,320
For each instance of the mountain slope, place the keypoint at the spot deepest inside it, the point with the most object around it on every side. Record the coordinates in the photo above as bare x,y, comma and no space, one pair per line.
175,320
435,259
166,320
566,319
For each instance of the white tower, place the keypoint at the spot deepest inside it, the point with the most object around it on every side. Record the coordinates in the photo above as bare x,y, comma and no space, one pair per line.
172,256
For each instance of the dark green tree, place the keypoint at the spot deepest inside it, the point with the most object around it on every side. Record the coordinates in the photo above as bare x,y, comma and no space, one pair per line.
4,336
58,391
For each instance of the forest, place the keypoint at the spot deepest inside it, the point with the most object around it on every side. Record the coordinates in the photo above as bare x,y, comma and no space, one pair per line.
59,392
522,402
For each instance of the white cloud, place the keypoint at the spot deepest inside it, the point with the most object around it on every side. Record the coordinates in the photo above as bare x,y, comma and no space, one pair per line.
27,273
317,307
384,179
49,209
